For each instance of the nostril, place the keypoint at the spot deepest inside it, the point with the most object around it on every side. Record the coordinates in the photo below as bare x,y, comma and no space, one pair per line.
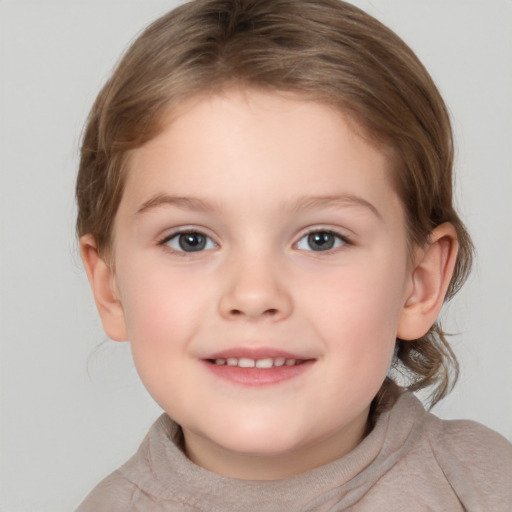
268,312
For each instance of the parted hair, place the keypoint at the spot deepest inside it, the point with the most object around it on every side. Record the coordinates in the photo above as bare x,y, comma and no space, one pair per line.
323,50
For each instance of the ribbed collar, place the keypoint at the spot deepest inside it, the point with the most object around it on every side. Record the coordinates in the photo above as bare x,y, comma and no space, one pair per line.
161,469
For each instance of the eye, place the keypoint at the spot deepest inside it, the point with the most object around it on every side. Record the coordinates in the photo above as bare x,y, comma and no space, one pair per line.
321,241
189,241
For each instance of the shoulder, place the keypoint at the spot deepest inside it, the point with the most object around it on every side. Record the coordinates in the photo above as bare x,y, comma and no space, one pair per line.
135,486
476,461
468,441
114,494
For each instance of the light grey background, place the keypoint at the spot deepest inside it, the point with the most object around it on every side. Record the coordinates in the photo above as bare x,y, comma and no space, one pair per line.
72,412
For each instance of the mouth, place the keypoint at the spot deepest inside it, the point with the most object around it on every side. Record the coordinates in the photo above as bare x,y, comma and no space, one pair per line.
264,364
257,368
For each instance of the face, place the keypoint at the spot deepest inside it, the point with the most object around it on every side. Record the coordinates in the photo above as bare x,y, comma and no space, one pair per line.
261,265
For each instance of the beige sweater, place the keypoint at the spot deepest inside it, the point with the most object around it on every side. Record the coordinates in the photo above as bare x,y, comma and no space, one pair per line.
411,461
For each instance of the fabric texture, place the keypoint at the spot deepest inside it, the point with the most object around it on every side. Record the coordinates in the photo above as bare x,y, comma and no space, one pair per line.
410,461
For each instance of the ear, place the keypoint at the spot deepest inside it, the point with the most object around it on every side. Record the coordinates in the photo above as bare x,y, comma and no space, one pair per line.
430,278
102,281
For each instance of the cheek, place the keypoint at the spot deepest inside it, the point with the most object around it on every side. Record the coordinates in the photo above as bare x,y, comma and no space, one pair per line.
358,328
357,312
161,315
161,307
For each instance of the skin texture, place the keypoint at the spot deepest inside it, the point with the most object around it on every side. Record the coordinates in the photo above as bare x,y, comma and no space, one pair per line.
256,173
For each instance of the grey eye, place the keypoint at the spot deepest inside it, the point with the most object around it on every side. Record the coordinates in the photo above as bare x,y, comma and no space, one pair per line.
190,242
320,241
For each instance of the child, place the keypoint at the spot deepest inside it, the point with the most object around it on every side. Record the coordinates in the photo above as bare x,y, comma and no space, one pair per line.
265,213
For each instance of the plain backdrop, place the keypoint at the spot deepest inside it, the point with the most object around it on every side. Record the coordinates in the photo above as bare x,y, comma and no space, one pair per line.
72,408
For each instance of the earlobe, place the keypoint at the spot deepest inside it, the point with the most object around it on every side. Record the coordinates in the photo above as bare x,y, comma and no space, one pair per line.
430,278
101,279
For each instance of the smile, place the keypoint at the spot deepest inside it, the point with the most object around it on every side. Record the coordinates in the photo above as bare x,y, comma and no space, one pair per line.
257,367
267,363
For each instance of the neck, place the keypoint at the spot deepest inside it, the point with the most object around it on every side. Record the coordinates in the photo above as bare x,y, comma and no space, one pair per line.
246,466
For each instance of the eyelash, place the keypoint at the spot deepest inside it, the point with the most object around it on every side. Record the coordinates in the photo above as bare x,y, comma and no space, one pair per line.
338,241
177,234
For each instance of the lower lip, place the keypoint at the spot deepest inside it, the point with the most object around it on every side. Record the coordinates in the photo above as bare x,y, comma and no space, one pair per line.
258,376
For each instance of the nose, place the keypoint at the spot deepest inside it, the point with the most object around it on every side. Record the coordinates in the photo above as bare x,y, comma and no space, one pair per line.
254,289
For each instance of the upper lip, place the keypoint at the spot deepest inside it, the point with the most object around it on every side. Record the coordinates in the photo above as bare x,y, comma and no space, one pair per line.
255,353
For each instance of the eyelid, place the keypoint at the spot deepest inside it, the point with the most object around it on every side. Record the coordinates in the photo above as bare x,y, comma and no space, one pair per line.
163,241
345,239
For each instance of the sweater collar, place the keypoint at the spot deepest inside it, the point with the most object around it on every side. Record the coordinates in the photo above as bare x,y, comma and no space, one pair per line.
161,469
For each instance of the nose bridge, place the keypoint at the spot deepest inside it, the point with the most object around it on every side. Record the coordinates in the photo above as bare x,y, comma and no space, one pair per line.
254,287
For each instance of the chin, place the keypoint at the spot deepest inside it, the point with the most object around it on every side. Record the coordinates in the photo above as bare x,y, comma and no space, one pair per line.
259,439
262,447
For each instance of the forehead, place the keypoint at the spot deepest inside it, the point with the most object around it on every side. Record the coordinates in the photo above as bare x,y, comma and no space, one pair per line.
272,144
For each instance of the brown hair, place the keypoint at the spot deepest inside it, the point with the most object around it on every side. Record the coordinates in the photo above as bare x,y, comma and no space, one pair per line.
325,50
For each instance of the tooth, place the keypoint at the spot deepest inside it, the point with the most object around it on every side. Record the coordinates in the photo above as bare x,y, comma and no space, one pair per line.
264,363
244,362
232,361
220,362
290,362
279,361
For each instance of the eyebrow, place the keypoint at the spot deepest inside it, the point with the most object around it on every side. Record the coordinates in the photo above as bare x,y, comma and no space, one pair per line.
303,203
343,200
186,203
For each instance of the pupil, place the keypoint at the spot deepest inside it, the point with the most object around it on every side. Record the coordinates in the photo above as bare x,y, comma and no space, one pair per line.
191,242
321,241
